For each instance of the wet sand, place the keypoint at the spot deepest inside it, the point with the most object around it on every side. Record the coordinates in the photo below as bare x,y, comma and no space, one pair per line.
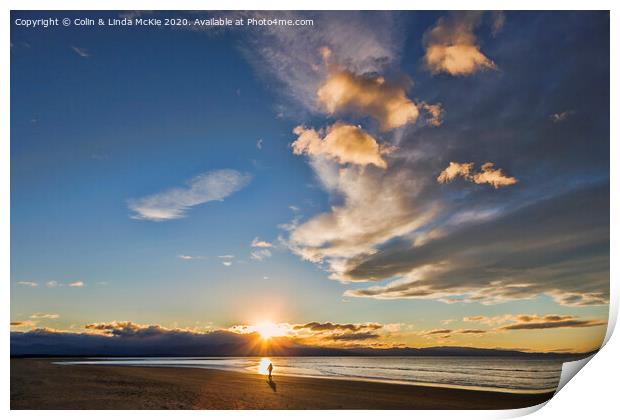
40,384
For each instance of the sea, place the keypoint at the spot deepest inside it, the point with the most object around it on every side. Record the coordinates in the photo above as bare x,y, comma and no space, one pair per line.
503,374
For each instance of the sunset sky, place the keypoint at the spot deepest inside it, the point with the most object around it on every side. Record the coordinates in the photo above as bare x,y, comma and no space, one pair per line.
376,179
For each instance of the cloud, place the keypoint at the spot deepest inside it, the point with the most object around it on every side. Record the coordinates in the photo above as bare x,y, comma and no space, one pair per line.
258,243
174,203
358,42
393,225
446,333
76,284
132,14
466,331
342,143
493,320
358,336
386,102
28,283
376,206
259,144
127,338
434,113
563,323
23,324
191,257
329,326
487,175
454,170
227,263
40,315
322,332
437,331
82,52
543,248
558,117
260,254
494,177
451,46
52,284
534,321
498,21
125,328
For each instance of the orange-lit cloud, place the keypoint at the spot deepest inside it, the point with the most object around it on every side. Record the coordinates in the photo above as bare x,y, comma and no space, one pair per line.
387,103
454,170
487,175
343,143
434,113
451,46
534,321
23,324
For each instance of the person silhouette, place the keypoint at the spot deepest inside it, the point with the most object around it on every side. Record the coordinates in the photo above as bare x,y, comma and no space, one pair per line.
270,368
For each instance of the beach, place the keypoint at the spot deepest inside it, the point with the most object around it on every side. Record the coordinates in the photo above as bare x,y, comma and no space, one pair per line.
41,384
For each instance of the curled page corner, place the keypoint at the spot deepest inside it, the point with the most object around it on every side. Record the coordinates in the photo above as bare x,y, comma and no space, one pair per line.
521,412
613,312
570,369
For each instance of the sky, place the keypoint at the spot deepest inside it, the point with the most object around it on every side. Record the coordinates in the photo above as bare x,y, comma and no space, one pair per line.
375,179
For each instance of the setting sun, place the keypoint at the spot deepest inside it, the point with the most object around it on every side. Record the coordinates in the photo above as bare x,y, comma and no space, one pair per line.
269,329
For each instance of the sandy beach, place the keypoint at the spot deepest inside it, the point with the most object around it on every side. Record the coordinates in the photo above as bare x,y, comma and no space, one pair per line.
41,384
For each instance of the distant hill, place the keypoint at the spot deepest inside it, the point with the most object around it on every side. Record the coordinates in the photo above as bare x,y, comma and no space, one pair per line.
41,343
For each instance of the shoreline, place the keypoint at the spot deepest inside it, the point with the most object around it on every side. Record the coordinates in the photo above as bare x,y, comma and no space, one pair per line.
42,384
330,378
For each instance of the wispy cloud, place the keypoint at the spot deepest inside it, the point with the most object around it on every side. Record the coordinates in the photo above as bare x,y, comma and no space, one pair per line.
260,254
28,283
521,254
41,315
537,322
76,284
174,203
191,257
330,326
226,259
358,42
82,52
23,324
259,144
258,243
560,116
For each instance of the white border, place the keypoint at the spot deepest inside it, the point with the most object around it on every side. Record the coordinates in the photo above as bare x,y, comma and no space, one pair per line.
591,396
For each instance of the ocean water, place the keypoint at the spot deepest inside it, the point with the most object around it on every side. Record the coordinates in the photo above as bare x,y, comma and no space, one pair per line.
522,375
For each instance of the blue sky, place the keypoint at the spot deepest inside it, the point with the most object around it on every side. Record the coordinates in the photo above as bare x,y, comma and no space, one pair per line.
104,116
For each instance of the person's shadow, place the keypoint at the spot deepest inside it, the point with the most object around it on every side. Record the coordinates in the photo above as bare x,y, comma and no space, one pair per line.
271,384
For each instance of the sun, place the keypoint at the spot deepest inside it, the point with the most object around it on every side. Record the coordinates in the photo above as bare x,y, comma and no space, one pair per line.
266,330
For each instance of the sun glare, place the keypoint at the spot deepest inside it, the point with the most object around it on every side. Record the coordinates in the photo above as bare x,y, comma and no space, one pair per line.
269,329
